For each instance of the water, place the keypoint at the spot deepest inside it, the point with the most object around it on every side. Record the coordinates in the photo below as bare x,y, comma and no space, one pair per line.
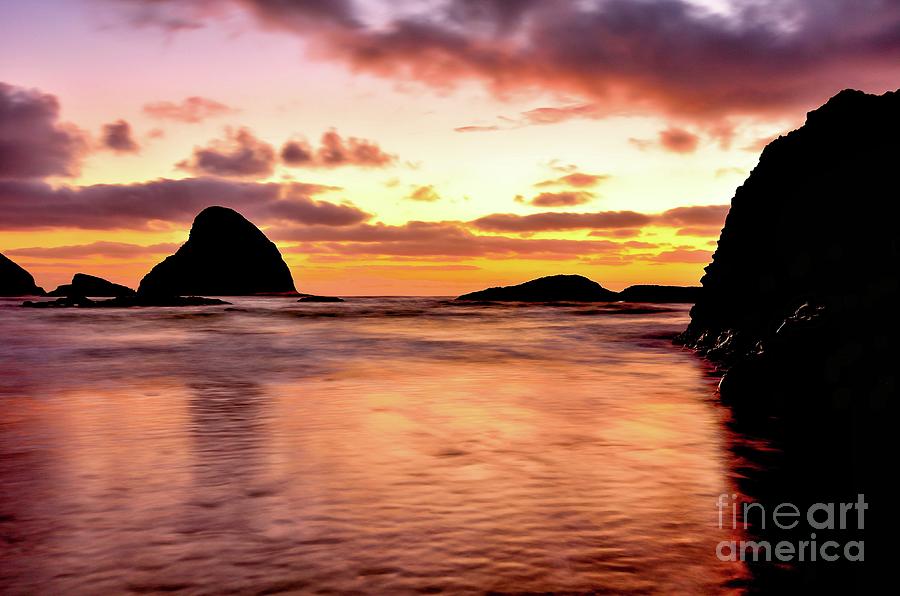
383,445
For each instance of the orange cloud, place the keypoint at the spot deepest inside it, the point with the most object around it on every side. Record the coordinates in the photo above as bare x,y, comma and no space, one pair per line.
191,110
424,193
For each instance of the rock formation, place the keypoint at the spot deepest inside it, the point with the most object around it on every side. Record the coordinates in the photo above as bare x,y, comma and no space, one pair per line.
554,288
225,255
576,288
320,299
798,308
653,293
15,281
90,285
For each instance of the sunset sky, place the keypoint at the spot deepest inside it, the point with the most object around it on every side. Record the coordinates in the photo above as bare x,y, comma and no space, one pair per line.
409,147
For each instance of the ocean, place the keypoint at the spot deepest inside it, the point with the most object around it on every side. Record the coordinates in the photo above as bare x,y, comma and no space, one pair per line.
381,446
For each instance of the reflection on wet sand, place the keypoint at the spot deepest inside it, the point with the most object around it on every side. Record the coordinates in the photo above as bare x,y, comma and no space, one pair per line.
286,447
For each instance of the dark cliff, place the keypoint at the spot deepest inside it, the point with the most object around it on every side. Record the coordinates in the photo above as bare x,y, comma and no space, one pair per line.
225,255
15,281
798,308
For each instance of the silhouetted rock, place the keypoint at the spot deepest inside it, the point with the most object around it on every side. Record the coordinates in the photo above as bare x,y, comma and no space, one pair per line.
15,281
225,255
652,293
799,308
133,301
554,288
90,285
321,299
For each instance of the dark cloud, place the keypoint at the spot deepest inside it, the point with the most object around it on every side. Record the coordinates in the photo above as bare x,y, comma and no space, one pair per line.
239,155
696,216
672,139
433,240
32,204
335,151
758,57
33,143
114,250
116,136
678,140
551,221
424,194
297,153
562,199
191,110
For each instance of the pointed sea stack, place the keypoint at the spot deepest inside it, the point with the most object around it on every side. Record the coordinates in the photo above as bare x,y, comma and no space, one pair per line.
15,281
90,285
225,255
554,288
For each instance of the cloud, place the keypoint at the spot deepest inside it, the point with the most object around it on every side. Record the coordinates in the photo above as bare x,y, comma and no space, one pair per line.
576,180
335,151
552,221
562,199
759,57
700,232
476,128
433,240
553,115
117,136
424,194
33,143
191,110
113,250
678,140
239,155
696,215
33,204
682,255
672,139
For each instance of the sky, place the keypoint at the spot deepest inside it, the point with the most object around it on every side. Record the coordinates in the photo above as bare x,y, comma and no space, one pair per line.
427,147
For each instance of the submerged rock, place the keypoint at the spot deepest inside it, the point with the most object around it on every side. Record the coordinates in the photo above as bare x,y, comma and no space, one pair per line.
225,255
653,293
125,302
90,285
554,288
321,299
15,281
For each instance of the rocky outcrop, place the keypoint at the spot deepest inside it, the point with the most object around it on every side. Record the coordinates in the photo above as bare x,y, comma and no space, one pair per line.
225,255
807,237
321,299
90,285
577,288
653,293
15,281
798,308
554,288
